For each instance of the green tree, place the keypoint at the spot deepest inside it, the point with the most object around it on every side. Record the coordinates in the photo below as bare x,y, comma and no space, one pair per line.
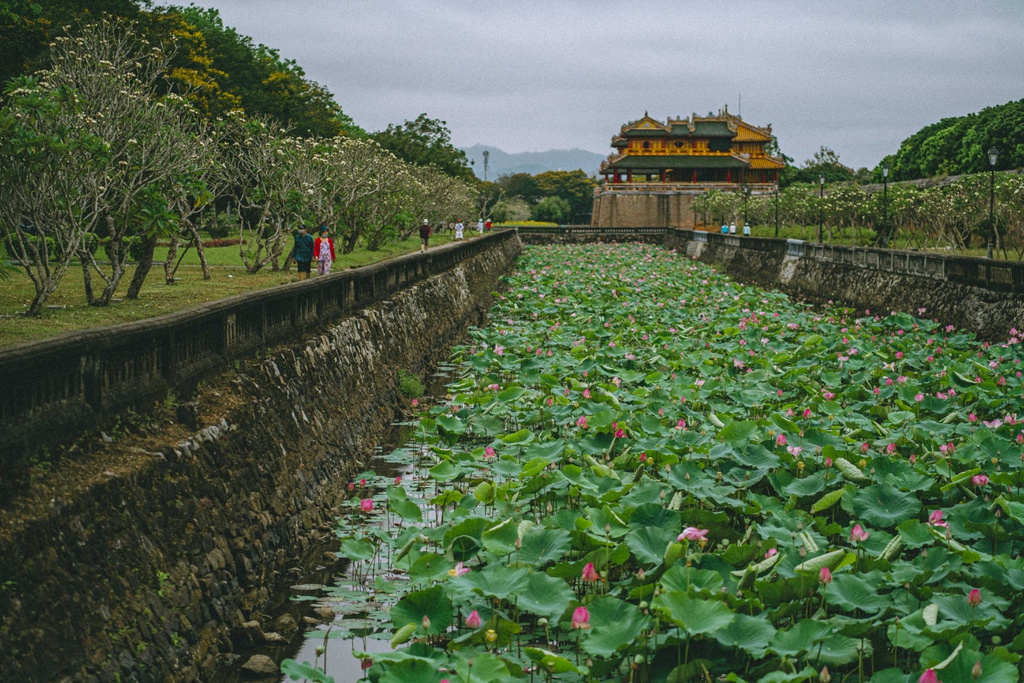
575,187
552,209
522,185
423,142
959,145
261,81
27,27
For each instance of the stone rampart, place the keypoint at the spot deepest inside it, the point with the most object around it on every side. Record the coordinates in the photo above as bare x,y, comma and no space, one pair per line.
148,557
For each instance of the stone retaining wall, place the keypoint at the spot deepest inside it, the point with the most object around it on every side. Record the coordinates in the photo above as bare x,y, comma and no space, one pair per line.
989,309
142,561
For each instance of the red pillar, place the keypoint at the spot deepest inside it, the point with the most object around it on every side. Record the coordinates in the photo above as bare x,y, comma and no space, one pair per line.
629,176
694,175
728,175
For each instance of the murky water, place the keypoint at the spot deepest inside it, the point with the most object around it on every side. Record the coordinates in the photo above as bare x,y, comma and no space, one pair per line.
355,592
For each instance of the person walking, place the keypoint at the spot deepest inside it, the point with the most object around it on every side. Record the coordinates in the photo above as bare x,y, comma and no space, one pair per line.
480,226
732,228
323,247
303,251
424,235
488,224
459,227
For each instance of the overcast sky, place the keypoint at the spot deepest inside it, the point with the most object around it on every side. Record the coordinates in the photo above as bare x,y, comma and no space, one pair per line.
857,76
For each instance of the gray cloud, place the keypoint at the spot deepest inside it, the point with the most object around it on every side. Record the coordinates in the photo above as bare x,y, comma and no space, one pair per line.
856,77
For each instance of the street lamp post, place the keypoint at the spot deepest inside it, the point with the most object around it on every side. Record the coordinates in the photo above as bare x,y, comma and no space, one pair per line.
885,206
821,209
993,157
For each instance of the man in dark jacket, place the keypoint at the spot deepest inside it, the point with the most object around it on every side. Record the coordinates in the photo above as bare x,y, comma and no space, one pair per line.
303,252
424,234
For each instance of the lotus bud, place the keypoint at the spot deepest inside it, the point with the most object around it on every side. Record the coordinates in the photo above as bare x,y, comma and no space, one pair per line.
976,670
824,676
974,597
426,623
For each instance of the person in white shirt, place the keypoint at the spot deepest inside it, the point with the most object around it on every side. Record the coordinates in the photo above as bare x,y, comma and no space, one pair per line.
458,229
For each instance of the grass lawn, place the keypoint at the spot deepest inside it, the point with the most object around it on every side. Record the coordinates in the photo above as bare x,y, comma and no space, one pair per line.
67,311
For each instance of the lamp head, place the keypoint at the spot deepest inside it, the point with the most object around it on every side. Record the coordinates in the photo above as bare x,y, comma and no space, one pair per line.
993,156
885,170
821,179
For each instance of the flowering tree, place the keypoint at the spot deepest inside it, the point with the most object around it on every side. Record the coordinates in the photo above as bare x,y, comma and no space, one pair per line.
48,186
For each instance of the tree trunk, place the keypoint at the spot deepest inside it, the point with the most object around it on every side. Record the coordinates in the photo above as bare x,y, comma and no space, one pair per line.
198,241
87,280
169,262
142,270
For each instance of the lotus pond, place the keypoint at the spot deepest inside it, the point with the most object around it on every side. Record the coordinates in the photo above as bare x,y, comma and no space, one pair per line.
646,472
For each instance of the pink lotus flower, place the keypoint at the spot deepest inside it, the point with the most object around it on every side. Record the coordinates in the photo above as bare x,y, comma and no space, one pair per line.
857,534
398,480
586,393
581,422
794,450
692,533
824,576
828,461
365,663
681,424
807,412
979,480
366,505
619,434
589,573
581,618
458,570
473,620
935,519
771,552
780,440
415,402
890,449
928,677
974,597
829,395
489,452
864,447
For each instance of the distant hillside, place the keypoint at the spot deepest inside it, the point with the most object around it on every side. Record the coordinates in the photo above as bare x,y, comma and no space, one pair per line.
502,163
960,144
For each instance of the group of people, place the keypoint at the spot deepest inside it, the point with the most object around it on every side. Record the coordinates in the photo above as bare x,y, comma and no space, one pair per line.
730,229
307,249
426,230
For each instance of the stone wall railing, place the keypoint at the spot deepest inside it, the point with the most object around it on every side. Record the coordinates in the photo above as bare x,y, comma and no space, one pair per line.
534,234
995,275
54,389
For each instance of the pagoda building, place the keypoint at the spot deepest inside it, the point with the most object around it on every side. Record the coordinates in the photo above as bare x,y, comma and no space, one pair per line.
713,149
658,167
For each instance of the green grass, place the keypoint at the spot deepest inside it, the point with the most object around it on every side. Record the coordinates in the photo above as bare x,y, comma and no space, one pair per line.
67,311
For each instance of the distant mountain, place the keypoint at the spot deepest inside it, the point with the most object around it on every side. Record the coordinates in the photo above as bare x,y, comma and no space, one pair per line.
501,163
